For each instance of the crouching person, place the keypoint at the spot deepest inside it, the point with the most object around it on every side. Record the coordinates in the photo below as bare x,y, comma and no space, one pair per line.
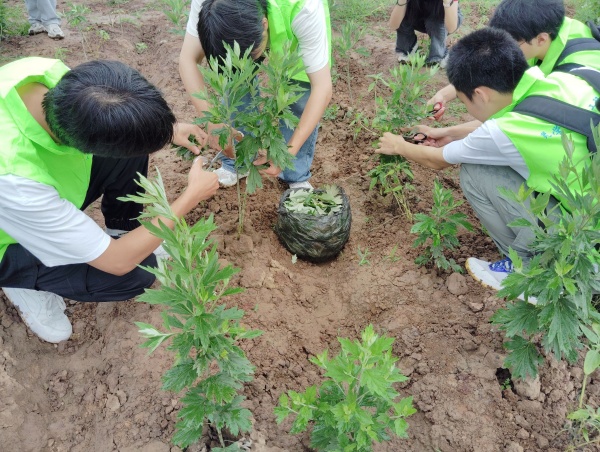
69,137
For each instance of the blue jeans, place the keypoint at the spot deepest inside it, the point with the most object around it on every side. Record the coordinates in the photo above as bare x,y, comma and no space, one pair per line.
302,162
406,37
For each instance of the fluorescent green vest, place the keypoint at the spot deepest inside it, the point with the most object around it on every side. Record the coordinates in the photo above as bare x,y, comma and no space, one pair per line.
281,13
538,141
26,149
570,29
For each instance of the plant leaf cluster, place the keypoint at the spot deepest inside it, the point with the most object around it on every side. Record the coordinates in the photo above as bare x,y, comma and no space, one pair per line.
563,274
209,365
356,405
393,175
315,202
439,229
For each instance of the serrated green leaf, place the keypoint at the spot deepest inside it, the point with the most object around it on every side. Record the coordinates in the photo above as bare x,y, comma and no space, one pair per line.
523,359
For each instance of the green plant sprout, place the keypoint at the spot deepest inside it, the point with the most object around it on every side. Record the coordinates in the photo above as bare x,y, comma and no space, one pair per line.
104,35
357,404
439,229
204,334
562,275
315,202
141,47
587,418
363,256
12,21
231,80
331,112
177,12
393,257
76,17
350,34
398,104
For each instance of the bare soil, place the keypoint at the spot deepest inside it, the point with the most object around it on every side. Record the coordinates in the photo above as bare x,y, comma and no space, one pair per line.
100,392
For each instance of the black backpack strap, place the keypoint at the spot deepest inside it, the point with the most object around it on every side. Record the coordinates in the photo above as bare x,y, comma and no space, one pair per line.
579,45
591,76
562,114
595,29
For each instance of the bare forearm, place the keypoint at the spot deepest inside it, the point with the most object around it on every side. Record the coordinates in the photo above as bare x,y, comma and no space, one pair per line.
398,14
190,57
451,17
460,131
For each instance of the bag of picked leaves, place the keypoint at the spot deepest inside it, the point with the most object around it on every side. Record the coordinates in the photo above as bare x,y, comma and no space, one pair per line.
314,224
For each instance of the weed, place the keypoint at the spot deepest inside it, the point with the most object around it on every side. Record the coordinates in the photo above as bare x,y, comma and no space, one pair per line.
61,53
358,10
141,47
351,33
331,112
586,10
76,15
393,257
393,175
439,229
357,405
104,35
363,256
563,273
587,418
177,12
209,365
12,22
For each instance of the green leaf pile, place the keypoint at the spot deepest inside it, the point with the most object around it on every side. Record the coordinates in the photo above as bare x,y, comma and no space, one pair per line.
315,202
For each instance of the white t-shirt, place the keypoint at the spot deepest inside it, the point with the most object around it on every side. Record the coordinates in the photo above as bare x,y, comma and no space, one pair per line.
487,145
309,27
48,226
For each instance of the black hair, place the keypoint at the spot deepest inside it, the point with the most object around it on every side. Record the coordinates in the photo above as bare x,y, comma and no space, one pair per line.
418,10
487,57
525,19
109,109
227,21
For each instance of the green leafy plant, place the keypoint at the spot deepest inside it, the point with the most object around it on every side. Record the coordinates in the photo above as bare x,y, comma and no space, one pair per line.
315,202
393,256
398,104
177,12
61,53
209,365
363,256
438,230
232,79
350,34
587,418
76,15
12,22
141,47
104,35
357,404
563,274
331,112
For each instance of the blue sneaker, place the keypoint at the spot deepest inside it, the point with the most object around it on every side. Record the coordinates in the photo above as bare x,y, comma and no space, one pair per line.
490,274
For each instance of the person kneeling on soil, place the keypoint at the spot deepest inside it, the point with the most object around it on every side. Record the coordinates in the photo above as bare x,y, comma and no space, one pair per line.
69,137
263,24
491,77
437,18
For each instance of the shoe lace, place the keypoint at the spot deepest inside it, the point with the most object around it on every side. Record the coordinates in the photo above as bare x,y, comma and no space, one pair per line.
504,265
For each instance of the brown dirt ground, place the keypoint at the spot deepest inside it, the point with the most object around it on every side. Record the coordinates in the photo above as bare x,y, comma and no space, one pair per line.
100,392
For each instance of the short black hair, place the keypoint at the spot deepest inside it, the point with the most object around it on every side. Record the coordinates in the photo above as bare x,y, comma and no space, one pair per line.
227,21
486,57
109,109
525,19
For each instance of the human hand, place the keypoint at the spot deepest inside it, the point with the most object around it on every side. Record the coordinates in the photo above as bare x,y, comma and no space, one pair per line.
436,137
213,140
390,144
181,136
271,170
202,184
438,103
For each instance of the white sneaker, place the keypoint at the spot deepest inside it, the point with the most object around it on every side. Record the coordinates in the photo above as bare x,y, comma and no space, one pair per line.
42,312
36,28
55,32
402,57
161,254
304,184
491,274
228,178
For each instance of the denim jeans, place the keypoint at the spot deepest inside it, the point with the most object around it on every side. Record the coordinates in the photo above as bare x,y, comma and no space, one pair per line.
406,38
480,185
42,11
302,162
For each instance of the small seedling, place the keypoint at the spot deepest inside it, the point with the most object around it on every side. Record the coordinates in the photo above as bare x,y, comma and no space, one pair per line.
357,405
104,35
350,34
363,256
177,12
141,47
61,53
331,112
439,229
315,202
393,257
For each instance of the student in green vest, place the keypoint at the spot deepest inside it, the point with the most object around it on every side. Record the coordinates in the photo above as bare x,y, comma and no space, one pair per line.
265,24
69,137
542,31
509,148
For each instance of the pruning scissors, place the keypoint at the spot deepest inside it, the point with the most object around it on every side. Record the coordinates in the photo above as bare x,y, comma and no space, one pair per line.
416,138
238,137
436,112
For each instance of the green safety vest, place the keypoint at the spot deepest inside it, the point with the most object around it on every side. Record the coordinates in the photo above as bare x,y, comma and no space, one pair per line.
539,142
570,29
281,13
26,149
